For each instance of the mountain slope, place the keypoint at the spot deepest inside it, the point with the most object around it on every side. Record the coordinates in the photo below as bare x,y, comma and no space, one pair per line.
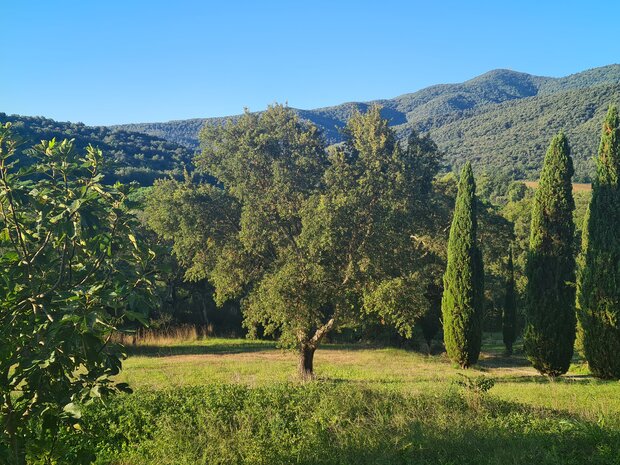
513,136
492,87
132,156
503,119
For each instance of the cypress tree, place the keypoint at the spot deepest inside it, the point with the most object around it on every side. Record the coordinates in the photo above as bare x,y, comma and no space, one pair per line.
462,298
509,317
550,330
598,282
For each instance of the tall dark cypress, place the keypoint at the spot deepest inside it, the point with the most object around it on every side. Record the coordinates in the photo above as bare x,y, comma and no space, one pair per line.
598,281
509,317
550,330
462,298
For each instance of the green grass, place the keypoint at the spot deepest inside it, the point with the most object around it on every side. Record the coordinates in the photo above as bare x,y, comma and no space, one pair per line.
260,363
238,402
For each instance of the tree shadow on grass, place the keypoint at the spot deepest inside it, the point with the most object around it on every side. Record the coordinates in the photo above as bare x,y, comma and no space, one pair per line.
542,379
510,433
502,361
469,446
368,383
356,346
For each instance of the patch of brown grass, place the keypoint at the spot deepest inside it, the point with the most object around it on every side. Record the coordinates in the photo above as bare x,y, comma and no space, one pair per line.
163,336
577,187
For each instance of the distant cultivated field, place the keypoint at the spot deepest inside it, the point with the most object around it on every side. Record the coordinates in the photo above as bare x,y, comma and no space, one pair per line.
577,187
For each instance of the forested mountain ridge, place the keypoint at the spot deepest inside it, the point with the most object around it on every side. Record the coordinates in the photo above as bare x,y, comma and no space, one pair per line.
131,156
492,87
512,136
502,119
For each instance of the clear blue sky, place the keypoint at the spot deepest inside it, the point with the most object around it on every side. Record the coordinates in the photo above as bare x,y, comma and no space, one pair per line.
122,61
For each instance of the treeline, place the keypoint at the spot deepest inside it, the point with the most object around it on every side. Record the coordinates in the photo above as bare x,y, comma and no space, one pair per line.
512,136
552,306
504,208
130,156
181,132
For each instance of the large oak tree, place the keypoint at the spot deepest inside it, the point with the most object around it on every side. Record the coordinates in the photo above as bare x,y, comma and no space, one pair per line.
306,236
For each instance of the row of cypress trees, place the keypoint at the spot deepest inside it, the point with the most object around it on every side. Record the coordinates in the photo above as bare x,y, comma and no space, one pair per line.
555,306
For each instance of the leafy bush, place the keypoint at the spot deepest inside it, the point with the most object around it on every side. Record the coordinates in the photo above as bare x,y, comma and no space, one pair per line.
73,269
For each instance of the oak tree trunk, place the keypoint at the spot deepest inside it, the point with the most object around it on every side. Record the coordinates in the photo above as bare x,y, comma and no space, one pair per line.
306,359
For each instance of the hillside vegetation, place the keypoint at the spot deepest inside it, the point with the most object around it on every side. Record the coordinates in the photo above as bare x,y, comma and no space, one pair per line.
513,136
501,119
131,156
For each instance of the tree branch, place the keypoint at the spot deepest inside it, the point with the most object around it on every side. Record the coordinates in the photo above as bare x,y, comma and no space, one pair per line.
321,332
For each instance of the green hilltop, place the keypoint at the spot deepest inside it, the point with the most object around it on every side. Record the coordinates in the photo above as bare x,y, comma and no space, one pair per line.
130,156
501,120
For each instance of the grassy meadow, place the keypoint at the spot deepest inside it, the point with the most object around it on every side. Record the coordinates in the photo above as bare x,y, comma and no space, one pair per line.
261,363
238,401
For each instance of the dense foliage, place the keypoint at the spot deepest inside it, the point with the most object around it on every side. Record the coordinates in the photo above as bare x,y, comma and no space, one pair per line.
430,321
512,136
598,285
130,156
463,283
72,269
550,332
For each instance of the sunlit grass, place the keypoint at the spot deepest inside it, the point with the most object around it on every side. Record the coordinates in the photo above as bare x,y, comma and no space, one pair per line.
261,363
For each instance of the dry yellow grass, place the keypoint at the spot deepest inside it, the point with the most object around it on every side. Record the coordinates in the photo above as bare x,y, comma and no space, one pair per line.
577,187
163,336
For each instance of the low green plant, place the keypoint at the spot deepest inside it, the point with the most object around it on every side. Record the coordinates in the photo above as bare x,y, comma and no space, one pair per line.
475,389
475,384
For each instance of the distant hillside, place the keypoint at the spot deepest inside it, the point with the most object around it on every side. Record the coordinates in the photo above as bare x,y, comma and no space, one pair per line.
132,156
500,120
513,136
